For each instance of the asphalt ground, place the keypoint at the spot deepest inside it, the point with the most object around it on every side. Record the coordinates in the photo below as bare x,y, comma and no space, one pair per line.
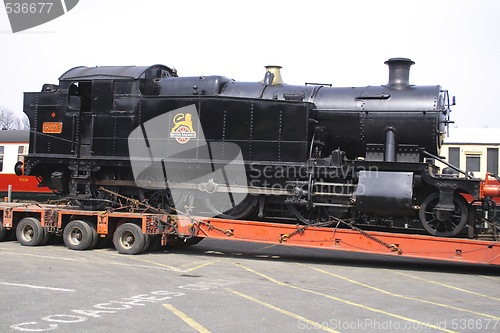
228,286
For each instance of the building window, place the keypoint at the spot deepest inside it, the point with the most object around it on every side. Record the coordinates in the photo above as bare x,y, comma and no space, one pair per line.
473,163
1,157
492,163
454,156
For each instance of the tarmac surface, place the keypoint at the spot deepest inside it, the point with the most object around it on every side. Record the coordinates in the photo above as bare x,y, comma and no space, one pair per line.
228,286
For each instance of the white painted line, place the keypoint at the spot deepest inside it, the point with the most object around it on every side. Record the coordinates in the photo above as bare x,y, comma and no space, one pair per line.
39,256
34,287
145,266
95,261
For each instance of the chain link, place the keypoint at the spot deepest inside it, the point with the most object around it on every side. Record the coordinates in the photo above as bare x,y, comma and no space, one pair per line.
172,221
392,247
331,221
495,226
299,230
210,226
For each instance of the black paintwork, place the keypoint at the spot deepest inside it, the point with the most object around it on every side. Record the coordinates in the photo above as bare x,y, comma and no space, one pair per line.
317,128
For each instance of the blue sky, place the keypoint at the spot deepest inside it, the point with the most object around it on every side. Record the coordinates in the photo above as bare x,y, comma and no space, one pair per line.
345,43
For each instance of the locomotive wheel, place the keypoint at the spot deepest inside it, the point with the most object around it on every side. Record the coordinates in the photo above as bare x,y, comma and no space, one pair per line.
29,232
102,197
129,239
455,223
161,198
221,206
306,215
78,235
230,204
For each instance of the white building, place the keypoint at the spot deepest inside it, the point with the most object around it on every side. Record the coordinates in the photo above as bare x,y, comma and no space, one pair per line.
473,149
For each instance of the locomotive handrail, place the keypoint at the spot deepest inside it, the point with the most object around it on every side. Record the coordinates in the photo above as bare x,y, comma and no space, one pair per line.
50,136
318,84
448,164
380,96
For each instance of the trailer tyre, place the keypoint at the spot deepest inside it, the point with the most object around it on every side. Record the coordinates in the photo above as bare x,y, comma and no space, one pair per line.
3,231
155,244
46,237
129,239
95,236
78,235
29,232
147,243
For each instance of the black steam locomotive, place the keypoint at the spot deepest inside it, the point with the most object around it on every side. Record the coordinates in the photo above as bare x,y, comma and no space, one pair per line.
314,152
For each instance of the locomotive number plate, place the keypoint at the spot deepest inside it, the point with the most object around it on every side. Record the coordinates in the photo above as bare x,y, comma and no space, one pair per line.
52,128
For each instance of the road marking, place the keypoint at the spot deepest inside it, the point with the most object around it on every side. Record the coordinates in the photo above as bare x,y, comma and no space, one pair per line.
288,313
268,247
398,295
489,277
165,267
138,259
444,285
40,256
156,263
191,322
203,265
34,287
342,300
141,266
175,268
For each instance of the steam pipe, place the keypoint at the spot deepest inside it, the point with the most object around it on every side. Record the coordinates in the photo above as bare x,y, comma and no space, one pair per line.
390,146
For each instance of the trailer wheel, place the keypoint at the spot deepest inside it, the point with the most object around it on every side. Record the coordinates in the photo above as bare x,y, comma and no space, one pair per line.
95,236
155,243
77,235
46,237
3,230
29,232
147,243
129,239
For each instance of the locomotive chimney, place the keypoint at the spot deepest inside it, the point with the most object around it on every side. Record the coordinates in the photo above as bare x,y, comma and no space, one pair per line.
276,71
399,72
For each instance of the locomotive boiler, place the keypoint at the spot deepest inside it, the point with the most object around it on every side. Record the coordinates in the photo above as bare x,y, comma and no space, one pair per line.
316,153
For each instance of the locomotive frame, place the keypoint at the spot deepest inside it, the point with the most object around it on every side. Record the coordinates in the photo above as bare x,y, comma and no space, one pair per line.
331,152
